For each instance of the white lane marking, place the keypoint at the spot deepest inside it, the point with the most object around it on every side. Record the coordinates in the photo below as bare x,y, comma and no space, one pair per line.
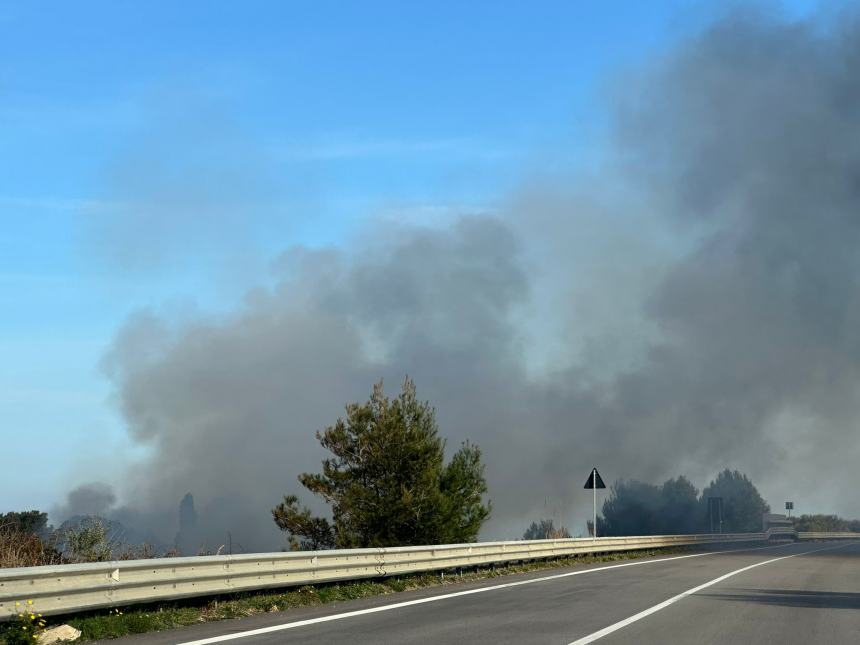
421,601
652,610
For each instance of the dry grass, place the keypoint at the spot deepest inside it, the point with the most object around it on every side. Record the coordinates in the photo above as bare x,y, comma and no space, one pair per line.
19,549
72,546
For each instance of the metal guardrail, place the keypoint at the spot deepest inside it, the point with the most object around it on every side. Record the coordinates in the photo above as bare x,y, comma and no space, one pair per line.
77,587
823,535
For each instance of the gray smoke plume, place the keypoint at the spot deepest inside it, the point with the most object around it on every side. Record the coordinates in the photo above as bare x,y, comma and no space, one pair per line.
694,307
95,498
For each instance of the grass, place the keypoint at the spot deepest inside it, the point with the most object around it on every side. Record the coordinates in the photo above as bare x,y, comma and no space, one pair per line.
114,623
23,549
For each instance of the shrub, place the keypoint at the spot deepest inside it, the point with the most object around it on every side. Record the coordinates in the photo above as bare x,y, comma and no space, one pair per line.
545,530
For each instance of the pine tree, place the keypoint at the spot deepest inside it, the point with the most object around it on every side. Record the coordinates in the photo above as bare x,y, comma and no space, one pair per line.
743,506
387,482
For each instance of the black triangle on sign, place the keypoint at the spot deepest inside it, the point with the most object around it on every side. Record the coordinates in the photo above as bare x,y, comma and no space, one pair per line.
589,483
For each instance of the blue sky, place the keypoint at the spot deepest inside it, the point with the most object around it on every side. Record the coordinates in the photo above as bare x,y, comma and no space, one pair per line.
291,121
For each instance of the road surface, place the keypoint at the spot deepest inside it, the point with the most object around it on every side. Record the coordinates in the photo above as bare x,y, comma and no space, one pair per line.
792,593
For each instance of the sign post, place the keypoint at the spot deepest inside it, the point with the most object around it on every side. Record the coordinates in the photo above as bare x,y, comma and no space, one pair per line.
789,506
594,482
715,508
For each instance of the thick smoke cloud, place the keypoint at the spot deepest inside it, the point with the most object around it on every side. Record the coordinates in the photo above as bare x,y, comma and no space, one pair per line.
230,406
96,498
736,344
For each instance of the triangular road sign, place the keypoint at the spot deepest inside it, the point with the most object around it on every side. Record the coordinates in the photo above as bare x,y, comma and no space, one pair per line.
590,483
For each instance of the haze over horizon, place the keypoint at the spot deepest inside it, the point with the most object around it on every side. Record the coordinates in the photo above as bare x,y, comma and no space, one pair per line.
588,243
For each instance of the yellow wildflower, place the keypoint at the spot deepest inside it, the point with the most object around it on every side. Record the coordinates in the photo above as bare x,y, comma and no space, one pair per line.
29,602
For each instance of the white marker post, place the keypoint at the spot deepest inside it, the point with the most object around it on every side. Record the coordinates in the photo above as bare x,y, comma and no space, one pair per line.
594,482
594,508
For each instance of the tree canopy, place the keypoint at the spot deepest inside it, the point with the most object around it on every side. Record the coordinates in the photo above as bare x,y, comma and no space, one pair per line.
637,508
632,508
387,482
743,506
35,522
678,507
825,523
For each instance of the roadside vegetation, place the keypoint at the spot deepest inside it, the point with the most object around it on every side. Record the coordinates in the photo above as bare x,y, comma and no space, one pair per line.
545,530
825,523
26,540
26,627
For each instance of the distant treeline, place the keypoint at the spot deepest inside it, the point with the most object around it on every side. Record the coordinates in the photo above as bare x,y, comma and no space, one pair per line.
832,523
676,507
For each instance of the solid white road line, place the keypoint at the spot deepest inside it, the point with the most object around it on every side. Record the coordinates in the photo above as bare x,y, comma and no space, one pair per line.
421,601
652,610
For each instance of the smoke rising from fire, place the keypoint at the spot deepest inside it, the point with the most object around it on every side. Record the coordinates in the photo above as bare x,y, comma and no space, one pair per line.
693,307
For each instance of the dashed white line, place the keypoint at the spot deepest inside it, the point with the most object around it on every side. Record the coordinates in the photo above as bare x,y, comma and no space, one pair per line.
652,610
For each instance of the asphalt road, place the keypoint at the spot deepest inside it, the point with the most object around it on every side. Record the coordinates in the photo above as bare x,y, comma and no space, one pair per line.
795,593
